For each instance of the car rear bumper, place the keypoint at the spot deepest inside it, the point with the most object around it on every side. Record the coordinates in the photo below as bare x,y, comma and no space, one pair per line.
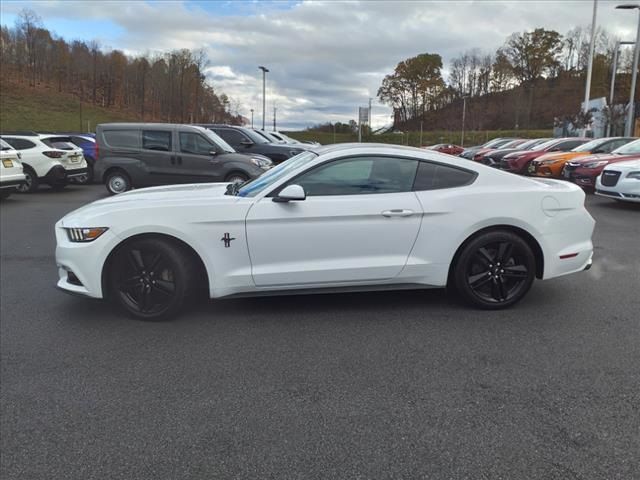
10,182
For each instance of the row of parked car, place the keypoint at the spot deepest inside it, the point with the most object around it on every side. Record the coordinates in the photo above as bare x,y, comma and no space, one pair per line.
129,155
609,166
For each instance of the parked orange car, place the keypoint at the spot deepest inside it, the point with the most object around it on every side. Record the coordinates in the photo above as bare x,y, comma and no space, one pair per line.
551,164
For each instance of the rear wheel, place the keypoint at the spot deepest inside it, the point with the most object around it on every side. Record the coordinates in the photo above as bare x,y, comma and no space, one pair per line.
31,181
117,181
152,278
495,270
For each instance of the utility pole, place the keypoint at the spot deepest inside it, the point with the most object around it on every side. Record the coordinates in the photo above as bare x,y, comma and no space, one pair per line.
420,134
592,46
252,118
334,132
369,120
274,118
264,92
628,131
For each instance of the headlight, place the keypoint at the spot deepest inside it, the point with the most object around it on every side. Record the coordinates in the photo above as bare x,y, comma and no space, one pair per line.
261,162
635,175
79,235
595,164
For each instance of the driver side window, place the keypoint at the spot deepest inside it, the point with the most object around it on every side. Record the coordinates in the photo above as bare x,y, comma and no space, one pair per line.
360,176
196,144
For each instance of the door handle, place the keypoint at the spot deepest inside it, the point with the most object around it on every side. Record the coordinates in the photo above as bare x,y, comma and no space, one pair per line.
397,212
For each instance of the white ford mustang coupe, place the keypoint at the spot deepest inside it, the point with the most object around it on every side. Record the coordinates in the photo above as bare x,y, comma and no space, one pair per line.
339,217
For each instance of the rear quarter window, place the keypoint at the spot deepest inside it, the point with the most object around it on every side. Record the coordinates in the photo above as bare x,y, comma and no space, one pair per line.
122,138
435,176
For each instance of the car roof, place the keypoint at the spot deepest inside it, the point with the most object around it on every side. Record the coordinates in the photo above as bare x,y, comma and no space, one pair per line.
147,125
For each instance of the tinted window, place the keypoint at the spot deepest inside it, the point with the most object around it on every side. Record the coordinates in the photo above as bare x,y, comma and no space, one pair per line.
122,138
19,143
568,145
156,140
61,143
433,176
232,137
194,143
360,176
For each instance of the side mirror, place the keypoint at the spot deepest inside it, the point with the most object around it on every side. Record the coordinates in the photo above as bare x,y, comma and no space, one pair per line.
246,143
289,193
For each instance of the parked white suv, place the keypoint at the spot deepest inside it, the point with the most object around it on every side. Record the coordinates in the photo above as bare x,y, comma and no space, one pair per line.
47,158
11,175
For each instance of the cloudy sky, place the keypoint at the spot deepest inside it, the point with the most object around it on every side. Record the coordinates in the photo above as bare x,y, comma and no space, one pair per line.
325,57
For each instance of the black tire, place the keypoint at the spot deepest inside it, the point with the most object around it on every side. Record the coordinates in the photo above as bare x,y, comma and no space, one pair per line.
236,177
494,270
151,278
117,181
32,181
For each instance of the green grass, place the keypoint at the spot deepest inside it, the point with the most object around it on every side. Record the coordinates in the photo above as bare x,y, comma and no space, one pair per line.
47,110
413,138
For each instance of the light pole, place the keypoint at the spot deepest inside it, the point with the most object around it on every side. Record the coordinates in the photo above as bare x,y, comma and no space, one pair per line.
634,74
613,79
252,118
264,91
464,114
592,45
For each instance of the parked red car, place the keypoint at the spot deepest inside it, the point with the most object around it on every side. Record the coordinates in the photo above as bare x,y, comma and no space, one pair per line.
518,162
584,171
446,148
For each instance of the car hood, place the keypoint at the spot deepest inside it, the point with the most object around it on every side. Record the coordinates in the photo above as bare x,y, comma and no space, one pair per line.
625,166
560,156
603,156
153,197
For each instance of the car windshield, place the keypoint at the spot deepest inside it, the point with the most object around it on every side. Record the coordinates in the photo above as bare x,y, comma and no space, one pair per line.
287,138
589,146
628,149
255,137
496,142
217,140
4,145
257,185
61,143
545,145
529,144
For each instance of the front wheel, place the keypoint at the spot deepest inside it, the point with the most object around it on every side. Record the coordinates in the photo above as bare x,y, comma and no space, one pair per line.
151,278
117,182
495,270
237,177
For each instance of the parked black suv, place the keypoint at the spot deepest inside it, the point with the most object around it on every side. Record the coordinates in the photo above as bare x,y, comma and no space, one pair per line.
146,154
245,140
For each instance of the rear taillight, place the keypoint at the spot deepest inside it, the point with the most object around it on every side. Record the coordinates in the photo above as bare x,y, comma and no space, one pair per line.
53,154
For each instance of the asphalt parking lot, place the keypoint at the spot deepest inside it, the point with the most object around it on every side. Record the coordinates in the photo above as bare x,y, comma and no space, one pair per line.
381,385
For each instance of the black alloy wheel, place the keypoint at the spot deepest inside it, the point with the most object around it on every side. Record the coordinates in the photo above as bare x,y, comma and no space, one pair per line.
495,270
151,278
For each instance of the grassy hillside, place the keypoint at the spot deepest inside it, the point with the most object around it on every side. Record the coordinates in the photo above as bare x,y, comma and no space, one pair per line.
428,138
45,110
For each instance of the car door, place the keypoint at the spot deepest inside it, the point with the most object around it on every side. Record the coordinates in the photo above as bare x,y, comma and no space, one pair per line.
159,157
196,159
358,223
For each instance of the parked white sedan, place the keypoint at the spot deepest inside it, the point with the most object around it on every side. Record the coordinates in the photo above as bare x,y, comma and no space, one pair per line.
339,217
620,181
